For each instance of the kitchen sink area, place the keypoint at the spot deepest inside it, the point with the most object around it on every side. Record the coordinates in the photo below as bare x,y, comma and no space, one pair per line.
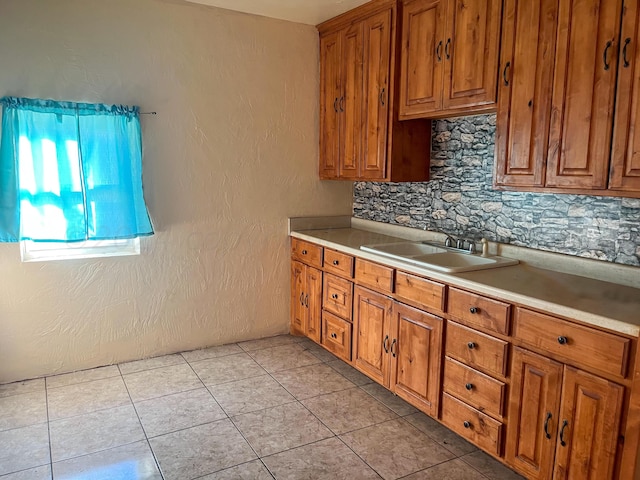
438,257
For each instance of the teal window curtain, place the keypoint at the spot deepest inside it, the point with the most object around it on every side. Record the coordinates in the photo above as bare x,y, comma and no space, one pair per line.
70,172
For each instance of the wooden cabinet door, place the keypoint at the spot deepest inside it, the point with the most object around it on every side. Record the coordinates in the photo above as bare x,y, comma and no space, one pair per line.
524,99
422,65
415,357
350,102
625,156
330,94
583,94
377,63
589,425
372,321
298,310
533,414
471,53
313,303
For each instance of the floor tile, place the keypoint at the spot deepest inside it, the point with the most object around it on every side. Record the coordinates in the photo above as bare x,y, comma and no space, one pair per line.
392,401
280,428
348,410
131,462
349,372
178,411
227,369
328,459
312,380
82,376
38,473
23,410
284,357
395,449
249,395
92,432
161,381
18,388
441,434
24,448
211,352
319,352
151,363
452,470
200,450
267,342
490,467
254,470
87,397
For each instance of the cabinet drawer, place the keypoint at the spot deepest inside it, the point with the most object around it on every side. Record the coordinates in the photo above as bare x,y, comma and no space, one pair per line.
577,344
477,349
338,263
471,424
477,389
478,311
337,296
336,335
426,293
375,276
306,252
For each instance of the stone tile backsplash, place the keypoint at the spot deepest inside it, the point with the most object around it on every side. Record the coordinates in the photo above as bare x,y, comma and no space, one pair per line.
459,200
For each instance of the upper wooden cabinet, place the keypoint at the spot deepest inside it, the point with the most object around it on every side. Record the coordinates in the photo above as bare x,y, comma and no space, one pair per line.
568,97
360,135
449,57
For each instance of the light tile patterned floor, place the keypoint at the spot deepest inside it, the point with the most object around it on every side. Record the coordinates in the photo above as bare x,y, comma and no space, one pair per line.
280,407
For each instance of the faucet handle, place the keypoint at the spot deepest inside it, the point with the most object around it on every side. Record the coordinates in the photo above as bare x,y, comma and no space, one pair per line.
449,241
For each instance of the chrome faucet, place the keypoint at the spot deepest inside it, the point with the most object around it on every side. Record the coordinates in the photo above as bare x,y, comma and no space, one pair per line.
449,241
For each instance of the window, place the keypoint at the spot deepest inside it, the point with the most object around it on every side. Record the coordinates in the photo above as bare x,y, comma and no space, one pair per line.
71,179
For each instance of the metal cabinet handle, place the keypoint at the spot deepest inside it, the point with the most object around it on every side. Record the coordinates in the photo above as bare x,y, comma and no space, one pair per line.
546,425
342,104
627,41
306,300
466,424
474,310
385,344
446,49
471,345
393,352
439,51
504,74
302,299
382,92
563,340
604,54
565,423
335,105
469,386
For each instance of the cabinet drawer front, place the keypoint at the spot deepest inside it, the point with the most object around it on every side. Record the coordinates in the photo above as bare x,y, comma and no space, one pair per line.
475,388
477,349
338,263
336,336
426,293
337,296
471,424
577,344
375,276
306,252
479,311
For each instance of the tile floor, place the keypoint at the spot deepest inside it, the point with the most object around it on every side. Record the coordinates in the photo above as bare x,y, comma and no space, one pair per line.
279,407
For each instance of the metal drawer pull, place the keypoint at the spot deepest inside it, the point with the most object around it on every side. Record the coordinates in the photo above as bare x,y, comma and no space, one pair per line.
304,252
334,296
546,425
466,424
336,262
471,345
474,310
565,423
333,335
563,340
469,386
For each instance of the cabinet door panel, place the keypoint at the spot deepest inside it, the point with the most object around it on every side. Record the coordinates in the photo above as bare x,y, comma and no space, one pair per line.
625,158
471,53
422,66
298,310
416,351
589,427
524,100
313,303
330,76
583,94
350,103
377,58
534,406
372,317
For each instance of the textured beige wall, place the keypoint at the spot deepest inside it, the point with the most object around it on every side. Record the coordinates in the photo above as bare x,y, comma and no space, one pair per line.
231,154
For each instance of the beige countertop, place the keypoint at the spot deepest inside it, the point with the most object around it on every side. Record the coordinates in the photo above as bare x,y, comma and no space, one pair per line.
589,300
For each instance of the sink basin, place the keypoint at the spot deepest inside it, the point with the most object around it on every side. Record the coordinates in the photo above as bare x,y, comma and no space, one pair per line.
437,258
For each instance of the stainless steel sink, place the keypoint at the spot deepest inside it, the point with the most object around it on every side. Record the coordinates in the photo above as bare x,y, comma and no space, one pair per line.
437,258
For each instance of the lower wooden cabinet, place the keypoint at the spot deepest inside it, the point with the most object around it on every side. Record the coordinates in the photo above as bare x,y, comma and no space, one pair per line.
564,422
306,300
